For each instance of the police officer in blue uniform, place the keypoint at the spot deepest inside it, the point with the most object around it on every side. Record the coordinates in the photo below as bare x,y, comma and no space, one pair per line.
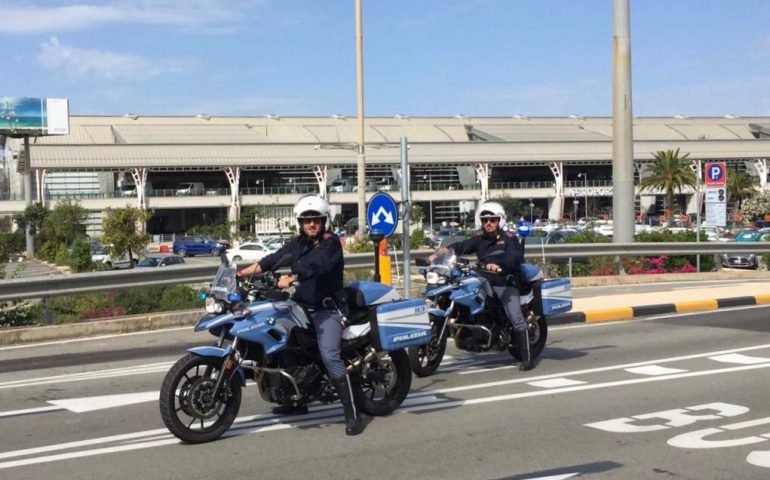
317,266
499,251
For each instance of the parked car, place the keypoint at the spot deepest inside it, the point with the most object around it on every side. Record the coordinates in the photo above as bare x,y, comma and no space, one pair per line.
342,185
190,188
100,254
189,245
744,260
248,252
160,260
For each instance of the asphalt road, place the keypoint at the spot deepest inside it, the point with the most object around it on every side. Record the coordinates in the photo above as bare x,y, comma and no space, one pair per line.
681,397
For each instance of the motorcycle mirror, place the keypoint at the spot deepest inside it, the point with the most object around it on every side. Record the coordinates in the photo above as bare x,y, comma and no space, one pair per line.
421,262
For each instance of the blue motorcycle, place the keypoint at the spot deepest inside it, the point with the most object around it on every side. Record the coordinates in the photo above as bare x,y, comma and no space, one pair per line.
264,336
465,307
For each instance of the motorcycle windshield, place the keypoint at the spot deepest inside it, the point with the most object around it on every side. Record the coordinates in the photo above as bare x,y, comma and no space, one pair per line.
444,262
224,281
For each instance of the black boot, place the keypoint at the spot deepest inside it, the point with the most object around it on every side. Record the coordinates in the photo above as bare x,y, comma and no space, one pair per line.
299,409
522,339
354,424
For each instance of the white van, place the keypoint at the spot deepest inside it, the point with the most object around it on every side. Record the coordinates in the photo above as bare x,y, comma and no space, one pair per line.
342,185
190,188
129,189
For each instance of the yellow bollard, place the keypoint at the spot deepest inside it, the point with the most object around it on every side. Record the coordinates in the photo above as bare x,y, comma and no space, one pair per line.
384,261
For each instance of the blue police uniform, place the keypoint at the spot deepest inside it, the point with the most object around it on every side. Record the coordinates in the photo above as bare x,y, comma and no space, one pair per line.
318,265
503,249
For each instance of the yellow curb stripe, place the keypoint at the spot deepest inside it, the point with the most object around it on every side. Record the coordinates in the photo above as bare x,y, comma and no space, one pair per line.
762,298
696,305
609,314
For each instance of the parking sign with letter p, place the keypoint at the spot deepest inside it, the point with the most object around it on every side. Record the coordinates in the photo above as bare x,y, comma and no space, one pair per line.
715,174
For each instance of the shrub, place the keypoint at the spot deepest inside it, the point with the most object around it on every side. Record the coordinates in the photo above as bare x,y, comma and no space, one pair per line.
80,256
179,297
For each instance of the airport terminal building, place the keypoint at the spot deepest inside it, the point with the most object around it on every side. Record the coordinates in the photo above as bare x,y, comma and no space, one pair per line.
205,169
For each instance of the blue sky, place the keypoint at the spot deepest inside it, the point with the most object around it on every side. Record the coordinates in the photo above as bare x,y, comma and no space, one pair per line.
421,57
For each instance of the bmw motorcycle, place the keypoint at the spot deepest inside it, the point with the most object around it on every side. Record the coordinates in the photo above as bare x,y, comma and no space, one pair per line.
264,336
465,307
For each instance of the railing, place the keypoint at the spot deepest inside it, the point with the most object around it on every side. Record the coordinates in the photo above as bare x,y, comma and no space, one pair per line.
106,281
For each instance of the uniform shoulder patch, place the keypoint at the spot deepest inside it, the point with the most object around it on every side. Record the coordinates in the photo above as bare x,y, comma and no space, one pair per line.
327,235
510,234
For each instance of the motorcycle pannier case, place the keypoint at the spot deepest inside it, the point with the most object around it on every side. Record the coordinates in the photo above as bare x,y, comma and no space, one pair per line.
552,297
400,324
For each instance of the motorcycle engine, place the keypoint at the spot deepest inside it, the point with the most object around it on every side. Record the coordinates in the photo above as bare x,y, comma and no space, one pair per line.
279,389
476,339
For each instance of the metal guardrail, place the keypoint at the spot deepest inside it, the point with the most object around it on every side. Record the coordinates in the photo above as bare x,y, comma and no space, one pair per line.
39,287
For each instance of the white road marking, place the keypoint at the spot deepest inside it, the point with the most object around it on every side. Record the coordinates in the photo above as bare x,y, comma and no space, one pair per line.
555,383
654,370
29,411
90,404
759,458
740,359
556,477
77,377
272,424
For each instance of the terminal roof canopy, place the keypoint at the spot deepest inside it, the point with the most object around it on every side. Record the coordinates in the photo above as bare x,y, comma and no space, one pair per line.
115,142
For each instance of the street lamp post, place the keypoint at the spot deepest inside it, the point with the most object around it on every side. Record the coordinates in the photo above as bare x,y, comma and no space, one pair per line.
574,215
430,201
261,182
585,190
531,206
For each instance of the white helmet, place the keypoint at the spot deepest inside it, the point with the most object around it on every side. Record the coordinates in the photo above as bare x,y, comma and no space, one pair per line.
490,210
311,205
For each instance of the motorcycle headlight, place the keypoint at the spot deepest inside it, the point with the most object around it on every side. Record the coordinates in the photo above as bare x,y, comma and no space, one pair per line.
212,306
434,278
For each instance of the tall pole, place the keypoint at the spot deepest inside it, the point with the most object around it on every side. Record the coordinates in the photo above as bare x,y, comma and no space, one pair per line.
622,127
30,241
405,211
361,158
585,192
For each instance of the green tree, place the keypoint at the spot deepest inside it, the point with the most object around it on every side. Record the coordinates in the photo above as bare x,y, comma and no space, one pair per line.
34,216
740,186
64,224
670,173
416,213
122,229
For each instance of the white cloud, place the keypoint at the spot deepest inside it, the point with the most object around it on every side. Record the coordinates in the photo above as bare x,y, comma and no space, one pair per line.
30,19
89,64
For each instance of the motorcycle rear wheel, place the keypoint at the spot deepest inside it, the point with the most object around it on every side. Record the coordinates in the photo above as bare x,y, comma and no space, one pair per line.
383,384
538,334
425,359
190,408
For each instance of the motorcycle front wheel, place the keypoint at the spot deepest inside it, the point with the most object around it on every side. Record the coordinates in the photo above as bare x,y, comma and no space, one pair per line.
382,384
190,407
425,359
538,334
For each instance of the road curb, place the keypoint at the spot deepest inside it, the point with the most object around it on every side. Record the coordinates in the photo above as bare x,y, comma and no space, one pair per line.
133,323
627,313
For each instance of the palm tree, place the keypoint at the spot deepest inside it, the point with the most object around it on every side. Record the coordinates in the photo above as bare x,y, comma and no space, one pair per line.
669,173
740,186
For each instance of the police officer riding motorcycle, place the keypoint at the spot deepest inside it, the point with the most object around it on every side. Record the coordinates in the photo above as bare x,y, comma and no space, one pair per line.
499,252
316,271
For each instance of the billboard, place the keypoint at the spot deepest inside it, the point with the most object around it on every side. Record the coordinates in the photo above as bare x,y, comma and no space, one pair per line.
27,116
